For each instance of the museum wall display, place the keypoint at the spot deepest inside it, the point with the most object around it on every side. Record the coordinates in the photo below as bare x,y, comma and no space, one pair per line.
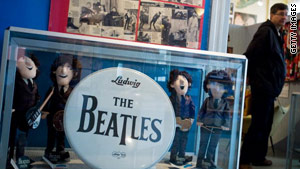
173,23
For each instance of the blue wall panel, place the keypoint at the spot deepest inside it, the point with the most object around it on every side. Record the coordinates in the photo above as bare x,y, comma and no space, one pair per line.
32,14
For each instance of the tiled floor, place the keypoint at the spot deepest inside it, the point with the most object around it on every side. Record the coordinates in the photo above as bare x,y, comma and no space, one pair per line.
279,163
279,160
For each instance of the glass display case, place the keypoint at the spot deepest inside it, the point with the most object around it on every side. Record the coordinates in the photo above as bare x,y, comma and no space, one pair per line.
293,142
117,104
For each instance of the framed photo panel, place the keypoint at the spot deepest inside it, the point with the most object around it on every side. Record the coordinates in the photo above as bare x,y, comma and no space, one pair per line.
174,23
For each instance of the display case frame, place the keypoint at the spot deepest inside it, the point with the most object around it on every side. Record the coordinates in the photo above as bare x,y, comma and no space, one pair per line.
292,142
127,53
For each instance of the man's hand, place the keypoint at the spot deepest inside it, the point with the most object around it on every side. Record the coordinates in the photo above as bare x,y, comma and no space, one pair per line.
44,114
186,124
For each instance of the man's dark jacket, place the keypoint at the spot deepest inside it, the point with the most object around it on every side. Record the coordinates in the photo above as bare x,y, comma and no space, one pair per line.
266,68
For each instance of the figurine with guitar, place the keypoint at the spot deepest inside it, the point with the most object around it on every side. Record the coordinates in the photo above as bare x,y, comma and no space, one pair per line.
26,96
65,71
178,84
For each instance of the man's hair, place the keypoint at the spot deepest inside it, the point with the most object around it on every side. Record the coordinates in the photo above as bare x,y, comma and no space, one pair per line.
174,75
63,59
278,6
221,77
35,61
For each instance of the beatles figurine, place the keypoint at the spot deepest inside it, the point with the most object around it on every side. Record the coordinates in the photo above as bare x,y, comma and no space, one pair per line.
213,116
178,84
26,96
65,70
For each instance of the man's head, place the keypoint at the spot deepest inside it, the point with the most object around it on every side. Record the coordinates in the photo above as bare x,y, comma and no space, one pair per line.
180,81
278,14
27,65
218,84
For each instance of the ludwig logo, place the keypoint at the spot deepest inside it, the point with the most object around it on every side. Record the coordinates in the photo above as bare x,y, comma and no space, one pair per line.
134,116
118,154
119,81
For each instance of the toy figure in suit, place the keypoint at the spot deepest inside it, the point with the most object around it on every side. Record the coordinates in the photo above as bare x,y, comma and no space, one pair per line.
214,115
65,70
26,96
178,84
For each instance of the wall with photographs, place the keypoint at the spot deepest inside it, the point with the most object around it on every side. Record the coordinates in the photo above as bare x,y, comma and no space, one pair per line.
35,15
248,12
173,22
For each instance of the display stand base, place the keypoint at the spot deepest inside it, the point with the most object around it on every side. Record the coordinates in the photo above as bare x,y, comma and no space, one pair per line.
186,166
55,166
13,163
23,162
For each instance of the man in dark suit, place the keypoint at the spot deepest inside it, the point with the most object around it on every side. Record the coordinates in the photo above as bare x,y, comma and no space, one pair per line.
266,73
26,96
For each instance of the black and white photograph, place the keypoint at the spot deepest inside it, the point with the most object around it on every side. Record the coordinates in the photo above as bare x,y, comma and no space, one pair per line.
231,13
130,21
155,22
178,31
144,17
166,22
231,10
144,37
169,24
194,19
96,17
155,18
179,14
190,2
244,19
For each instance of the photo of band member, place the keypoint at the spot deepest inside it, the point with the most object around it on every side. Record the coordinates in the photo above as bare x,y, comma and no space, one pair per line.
169,24
103,18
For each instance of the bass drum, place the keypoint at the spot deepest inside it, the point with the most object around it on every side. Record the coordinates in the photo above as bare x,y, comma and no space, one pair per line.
58,120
